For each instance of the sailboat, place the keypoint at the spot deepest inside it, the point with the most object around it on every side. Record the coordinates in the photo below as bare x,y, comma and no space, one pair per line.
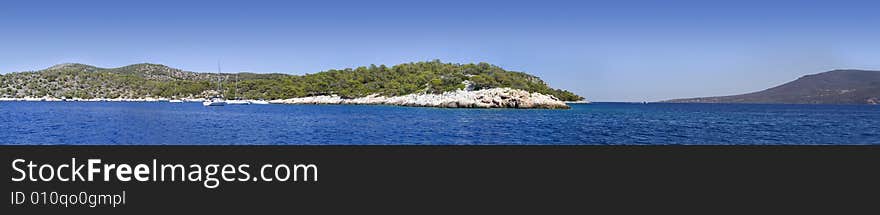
238,102
216,100
259,102
235,100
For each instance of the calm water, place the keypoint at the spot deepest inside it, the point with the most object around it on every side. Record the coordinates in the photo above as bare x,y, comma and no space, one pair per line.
600,123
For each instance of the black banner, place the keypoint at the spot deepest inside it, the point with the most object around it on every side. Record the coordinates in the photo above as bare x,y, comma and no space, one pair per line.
446,179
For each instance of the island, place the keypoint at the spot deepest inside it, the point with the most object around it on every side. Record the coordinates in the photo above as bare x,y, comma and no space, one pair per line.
423,84
832,87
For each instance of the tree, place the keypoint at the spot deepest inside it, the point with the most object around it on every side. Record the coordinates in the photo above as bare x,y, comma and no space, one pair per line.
417,77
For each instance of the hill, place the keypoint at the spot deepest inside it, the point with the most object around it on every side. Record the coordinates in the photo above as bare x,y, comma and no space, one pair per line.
833,87
155,80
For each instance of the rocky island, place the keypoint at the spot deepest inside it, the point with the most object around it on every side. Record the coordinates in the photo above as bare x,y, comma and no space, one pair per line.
486,98
421,84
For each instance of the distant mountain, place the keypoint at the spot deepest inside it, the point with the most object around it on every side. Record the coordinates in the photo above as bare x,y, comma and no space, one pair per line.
148,71
833,87
159,81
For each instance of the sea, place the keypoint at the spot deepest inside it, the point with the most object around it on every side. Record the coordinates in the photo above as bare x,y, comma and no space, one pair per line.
148,123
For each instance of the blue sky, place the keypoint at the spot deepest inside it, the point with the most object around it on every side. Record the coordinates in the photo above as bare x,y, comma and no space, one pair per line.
603,50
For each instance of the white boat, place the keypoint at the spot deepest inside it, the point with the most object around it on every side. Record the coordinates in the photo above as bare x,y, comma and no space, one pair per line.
175,101
259,102
238,102
214,102
218,99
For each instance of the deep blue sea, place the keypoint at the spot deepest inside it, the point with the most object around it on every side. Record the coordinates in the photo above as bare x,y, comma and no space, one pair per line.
597,123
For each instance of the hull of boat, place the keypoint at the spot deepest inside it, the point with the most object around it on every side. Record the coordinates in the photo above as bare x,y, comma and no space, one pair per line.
238,102
213,103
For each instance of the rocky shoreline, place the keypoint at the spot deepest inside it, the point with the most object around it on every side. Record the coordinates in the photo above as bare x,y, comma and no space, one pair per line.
486,98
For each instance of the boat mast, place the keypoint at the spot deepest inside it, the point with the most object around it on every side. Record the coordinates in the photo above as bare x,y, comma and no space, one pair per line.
219,83
235,95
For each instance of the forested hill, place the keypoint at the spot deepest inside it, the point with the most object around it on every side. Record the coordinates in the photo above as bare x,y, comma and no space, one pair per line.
154,80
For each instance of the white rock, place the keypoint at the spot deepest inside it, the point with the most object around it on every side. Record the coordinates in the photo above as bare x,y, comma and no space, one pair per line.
487,98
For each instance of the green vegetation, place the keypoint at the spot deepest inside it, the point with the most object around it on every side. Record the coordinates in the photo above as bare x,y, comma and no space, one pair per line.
153,80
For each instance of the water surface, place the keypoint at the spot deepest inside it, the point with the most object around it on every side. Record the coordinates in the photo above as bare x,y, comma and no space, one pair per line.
598,123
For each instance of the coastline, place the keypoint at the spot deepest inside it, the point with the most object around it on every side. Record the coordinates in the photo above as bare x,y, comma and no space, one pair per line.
486,98
52,99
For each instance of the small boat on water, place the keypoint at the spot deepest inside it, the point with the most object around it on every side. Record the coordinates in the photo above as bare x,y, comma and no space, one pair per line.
259,102
238,102
175,101
214,102
218,99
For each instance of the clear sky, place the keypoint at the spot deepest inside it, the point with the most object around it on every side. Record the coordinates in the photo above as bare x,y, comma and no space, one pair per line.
602,50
